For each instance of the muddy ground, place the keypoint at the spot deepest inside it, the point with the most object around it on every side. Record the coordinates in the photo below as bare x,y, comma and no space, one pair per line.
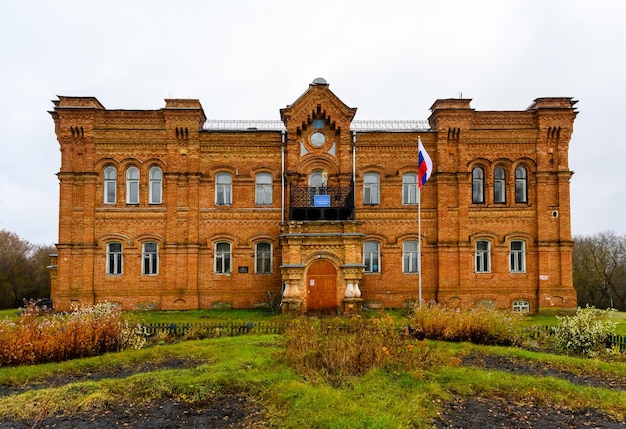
238,411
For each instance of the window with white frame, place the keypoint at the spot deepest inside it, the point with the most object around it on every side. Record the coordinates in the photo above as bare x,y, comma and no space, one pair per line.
499,185
156,185
483,256
478,185
222,258
223,189
371,188
114,264
110,185
521,185
410,257
263,195
521,306
371,256
263,258
517,257
150,258
132,185
409,188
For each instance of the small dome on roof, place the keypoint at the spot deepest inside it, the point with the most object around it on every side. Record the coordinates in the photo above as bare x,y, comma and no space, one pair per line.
320,81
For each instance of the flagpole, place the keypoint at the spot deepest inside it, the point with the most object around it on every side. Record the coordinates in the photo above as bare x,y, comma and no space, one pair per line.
419,243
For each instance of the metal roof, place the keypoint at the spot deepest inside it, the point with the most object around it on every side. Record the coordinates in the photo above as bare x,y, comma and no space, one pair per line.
276,125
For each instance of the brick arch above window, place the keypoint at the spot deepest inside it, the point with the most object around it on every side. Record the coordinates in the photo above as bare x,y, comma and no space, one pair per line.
222,237
149,237
105,238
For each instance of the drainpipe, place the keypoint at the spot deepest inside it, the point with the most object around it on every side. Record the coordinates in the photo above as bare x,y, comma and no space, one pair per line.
353,157
282,176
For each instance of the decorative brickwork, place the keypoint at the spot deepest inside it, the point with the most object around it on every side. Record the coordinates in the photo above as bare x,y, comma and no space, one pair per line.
163,209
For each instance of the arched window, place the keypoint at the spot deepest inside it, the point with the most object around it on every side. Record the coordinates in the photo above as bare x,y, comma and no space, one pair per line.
132,185
371,256
371,188
222,258
150,257
263,258
409,188
478,185
110,185
156,186
263,189
483,256
223,189
521,185
517,257
410,257
499,186
114,259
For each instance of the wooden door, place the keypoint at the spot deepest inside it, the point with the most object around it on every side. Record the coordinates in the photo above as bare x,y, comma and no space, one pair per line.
321,286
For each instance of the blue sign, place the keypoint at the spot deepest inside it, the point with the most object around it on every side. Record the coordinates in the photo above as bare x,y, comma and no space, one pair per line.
321,200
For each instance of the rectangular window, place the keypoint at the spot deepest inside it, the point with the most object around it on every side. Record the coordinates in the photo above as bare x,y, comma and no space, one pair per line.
263,194
517,261
482,257
371,186
410,258
114,259
409,188
223,189
263,258
150,258
371,256
222,258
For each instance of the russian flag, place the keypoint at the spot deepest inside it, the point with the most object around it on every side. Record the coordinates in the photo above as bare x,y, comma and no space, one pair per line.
424,165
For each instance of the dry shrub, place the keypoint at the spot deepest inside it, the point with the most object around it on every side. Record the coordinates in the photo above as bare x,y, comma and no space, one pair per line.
477,325
336,351
84,332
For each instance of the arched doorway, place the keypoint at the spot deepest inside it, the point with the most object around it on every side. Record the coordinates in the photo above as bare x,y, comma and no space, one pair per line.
321,286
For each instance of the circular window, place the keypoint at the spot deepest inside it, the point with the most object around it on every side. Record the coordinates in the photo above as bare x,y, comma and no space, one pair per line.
318,139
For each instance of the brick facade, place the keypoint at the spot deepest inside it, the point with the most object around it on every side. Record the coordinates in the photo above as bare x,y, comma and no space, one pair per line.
164,209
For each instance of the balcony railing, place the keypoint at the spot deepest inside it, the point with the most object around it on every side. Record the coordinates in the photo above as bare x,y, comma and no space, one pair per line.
321,203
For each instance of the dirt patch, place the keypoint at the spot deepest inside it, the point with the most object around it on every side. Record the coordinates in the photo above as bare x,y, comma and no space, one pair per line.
543,369
222,412
497,413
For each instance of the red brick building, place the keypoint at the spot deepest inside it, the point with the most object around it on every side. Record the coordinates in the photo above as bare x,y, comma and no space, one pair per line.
166,209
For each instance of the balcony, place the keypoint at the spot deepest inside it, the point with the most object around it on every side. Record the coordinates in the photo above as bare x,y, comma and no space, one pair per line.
321,203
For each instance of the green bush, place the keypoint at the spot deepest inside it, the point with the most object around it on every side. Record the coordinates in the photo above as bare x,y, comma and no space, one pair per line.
478,325
585,333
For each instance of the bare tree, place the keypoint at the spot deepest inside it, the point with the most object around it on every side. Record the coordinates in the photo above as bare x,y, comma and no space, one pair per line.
23,270
599,268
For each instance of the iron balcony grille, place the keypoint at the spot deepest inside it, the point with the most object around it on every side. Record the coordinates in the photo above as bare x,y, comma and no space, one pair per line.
321,203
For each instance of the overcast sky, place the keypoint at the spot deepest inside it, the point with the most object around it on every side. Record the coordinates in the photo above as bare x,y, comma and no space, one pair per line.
246,59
